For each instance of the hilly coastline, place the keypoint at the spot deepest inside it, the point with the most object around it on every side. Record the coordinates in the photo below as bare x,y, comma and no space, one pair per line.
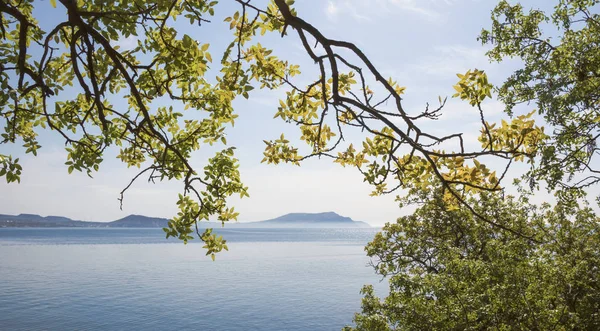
293,220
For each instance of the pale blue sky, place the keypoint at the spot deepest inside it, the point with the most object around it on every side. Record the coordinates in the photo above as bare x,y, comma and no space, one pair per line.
420,43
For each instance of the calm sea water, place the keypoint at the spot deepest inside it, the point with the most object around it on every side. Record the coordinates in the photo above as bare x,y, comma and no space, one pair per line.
134,279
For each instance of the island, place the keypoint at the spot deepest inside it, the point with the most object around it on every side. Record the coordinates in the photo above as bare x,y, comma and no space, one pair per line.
308,220
292,220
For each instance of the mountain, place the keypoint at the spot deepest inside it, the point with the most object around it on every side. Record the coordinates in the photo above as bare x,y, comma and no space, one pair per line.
294,220
139,221
309,220
35,218
32,220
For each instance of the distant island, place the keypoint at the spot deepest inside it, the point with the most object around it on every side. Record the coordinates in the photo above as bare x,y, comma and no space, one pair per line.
308,220
293,220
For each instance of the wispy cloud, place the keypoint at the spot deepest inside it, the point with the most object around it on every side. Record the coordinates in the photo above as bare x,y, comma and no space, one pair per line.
461,112
332,10
451,59
418,7
364,10
346,7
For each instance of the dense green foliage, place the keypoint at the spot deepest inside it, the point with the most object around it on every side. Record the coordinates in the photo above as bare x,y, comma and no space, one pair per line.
447,271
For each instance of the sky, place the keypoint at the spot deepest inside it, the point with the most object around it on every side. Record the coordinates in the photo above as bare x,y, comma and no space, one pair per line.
420,43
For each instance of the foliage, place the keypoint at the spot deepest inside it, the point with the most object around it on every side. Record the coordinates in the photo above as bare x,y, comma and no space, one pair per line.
74,80
561,75
447,271
396,153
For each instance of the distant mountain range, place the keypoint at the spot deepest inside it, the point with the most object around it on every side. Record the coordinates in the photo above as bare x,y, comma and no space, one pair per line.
294,220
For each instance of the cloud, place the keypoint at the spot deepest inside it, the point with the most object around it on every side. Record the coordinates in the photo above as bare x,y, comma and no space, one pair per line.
349,7
461,111
332,10
364,10
451,59
419,7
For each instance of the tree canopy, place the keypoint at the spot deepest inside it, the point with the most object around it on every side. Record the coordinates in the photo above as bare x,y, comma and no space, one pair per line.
448,271
73,79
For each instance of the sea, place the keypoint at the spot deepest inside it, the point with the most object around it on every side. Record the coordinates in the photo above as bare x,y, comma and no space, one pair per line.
135,279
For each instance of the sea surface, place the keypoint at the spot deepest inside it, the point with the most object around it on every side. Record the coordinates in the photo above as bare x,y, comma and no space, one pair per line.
135,279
